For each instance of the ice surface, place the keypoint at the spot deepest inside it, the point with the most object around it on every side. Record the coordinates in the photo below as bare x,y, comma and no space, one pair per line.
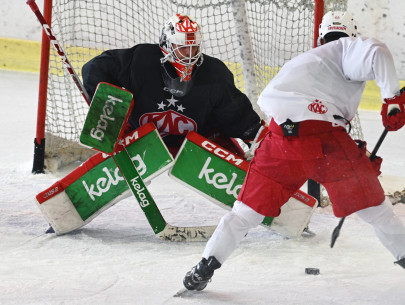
116,259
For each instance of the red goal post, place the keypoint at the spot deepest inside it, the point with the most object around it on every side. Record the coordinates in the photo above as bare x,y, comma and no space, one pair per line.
253,37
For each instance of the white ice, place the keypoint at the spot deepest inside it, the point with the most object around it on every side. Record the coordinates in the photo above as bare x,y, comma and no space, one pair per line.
116,259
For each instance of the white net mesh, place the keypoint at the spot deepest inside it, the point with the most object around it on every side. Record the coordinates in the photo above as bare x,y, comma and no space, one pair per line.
254,39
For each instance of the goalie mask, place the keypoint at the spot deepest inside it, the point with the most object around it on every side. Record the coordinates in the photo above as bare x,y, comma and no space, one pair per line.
339,24
180,42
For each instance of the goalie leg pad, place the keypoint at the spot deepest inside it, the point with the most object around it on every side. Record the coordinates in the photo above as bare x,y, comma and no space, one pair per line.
97,184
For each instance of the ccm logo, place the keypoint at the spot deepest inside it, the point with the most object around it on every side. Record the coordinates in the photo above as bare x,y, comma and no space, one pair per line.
222,153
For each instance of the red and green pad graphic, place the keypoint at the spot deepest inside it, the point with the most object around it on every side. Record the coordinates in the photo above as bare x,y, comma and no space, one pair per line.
147,154
98,183
107,117
211,170
218,175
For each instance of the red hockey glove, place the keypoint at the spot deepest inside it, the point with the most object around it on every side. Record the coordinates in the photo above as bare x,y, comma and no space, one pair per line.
393,112
375,162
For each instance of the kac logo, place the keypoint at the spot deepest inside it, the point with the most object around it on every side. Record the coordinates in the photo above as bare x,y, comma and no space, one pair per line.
169,122
317,107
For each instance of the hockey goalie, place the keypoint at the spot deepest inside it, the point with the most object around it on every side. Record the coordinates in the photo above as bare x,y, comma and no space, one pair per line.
183,93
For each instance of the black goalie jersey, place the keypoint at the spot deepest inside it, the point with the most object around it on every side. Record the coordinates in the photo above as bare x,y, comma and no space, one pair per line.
212,103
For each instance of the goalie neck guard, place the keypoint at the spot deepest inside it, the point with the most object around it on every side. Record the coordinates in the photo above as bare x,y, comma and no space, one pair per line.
337,23
180,42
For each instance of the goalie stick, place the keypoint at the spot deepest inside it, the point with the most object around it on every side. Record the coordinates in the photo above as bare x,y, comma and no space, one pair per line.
164,230
160,227
59,49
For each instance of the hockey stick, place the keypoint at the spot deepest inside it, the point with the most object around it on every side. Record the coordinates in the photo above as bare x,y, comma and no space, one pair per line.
336,231
59,49
160,227
164,230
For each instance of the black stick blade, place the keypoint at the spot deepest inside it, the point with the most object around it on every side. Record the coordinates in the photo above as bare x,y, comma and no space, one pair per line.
336,232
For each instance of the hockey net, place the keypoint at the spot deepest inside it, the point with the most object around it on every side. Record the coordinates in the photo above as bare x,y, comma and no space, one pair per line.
253,38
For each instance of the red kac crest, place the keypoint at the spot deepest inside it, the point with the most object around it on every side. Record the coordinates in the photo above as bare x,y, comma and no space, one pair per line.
169,122
318,107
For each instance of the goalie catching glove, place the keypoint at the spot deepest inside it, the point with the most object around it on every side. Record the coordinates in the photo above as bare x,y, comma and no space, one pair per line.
393,111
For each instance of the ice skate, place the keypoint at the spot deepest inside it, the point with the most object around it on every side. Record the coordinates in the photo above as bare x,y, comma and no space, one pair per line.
199,276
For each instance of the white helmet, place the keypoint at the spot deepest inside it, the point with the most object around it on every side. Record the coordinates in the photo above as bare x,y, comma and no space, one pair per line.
340,22
178,33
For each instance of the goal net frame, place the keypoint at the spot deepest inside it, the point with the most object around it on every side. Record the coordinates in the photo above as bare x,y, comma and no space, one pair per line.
253,28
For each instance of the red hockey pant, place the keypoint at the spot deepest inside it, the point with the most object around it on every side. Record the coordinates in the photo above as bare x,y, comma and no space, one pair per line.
321,152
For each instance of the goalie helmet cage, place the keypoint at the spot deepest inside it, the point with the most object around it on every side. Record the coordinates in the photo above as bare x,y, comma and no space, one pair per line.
253,37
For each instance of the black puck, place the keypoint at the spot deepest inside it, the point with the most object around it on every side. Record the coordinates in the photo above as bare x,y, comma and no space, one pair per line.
314,271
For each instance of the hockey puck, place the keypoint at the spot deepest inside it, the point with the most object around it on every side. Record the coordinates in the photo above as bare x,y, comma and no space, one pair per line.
314,271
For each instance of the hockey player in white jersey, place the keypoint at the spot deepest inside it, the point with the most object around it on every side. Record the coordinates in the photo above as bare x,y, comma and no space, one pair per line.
310,101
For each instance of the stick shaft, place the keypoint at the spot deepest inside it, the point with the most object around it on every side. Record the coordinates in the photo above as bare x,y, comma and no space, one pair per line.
59,49
379,142
139,190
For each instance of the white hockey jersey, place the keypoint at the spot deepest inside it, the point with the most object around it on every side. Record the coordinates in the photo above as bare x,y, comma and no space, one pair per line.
329,80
